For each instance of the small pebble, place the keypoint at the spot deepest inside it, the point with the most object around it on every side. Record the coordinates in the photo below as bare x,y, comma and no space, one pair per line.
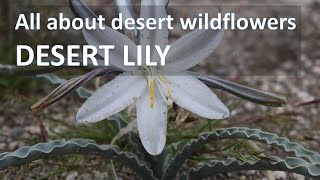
72,176
298,177
279,175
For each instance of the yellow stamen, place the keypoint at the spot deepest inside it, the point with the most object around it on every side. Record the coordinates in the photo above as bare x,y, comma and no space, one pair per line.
151,91
170,96
163,79
170,93
164,82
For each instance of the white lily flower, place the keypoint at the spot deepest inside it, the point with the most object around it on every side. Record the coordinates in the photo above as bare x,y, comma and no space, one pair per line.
154,89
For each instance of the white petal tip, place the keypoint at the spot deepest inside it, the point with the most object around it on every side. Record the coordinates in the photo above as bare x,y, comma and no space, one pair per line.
78,118
226,112
82,121
222,114
154,148
81,118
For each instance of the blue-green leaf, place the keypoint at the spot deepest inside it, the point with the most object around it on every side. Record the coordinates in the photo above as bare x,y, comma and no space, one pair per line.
290,164
26,155
238,133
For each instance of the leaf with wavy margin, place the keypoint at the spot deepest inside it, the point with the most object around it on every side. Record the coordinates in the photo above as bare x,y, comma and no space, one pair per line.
54,79
33,69
289,164
237,133
28,154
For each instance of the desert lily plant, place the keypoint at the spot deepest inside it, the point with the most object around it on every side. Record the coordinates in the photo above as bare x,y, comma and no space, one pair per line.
154,91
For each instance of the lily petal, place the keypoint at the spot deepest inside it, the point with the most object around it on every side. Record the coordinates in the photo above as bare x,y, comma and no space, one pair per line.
191,94
108,36
112,98
154,9
68,86
125,7
192,48
152,122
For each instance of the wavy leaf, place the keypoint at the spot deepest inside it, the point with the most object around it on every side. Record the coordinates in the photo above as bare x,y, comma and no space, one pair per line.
118,121
290,164
78,146
54,79
27,70
6,69
238,133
